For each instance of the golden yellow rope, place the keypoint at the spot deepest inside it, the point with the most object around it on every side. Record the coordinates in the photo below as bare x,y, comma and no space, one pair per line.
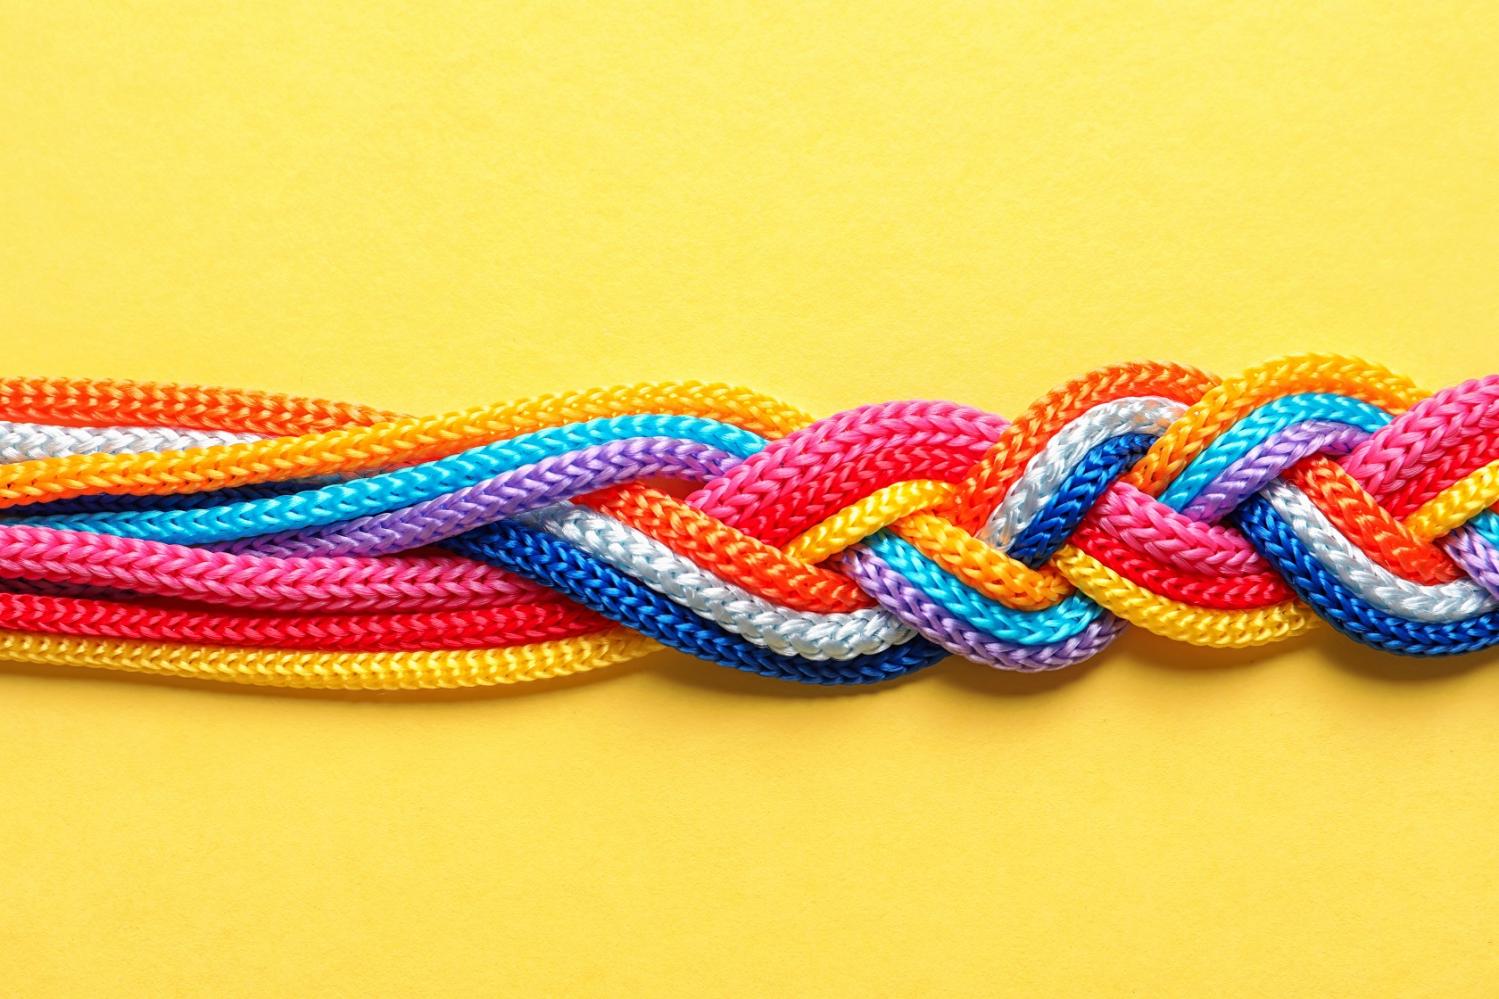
332,670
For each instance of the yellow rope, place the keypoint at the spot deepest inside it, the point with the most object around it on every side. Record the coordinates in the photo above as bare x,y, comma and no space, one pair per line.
858,521
331,670
1457,504
1182,622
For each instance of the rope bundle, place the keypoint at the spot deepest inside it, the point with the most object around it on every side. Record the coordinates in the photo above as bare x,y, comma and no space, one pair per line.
259,538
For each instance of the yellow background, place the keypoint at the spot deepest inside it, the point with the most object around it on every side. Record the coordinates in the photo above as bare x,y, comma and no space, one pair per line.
428,206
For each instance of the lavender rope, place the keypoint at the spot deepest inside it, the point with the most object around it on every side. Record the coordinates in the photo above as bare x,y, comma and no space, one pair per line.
902,598
522,490
1475,555
1266,460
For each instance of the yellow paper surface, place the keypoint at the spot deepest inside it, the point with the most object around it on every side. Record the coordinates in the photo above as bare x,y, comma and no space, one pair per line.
429,206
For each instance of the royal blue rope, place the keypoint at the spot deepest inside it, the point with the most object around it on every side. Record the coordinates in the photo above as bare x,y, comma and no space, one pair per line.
1087,481
1342,608
569,570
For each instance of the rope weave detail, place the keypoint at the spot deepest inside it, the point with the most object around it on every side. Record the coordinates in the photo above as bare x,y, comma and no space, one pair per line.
267,539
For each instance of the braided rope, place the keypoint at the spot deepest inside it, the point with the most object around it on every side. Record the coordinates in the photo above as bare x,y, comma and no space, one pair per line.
258,538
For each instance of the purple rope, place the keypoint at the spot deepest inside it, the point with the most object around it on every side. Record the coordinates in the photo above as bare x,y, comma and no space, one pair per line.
530,487
1266,460
899,596
1475,555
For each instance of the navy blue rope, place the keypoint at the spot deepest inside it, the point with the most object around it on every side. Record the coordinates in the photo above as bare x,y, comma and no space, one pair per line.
601,587
1342,608
1087,481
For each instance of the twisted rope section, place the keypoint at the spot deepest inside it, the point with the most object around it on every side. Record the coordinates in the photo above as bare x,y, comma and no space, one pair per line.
268,539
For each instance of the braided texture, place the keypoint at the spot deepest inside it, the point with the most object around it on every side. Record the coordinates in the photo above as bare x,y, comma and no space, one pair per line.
268,539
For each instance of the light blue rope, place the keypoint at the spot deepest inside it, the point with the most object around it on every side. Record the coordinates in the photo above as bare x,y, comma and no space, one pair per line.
1261,424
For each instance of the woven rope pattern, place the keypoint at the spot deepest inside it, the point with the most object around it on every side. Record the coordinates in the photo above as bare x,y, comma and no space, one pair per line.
267,539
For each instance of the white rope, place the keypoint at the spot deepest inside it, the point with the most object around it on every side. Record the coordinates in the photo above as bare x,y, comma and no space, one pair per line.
30,441
789,632
1047,470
